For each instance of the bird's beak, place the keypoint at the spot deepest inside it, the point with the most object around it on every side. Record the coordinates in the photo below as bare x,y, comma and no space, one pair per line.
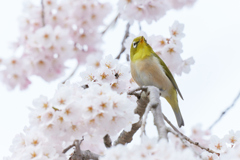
141,39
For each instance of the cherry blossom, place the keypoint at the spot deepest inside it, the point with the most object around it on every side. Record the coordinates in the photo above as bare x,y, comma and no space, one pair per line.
178,4
75,111
149,149
209,156
217,144
110,71
47,42
149,10
233,138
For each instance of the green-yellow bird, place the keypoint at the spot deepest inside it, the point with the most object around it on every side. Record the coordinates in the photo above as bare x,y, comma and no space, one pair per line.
148,69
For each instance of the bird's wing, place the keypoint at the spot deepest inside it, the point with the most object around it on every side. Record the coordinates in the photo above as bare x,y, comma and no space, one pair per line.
168,74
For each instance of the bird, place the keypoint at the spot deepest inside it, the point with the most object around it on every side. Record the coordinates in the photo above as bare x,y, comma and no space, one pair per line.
148,69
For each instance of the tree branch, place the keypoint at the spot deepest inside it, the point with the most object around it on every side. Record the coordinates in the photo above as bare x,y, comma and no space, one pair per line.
181,135
158,121
137,89
148,97
43,14
126,137
134,92
111,24
70,76
225,111
80,155
139,25
184,142
155,106
124,38
107,141
144,119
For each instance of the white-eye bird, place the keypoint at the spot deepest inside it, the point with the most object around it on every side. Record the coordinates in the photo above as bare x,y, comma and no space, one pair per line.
148,69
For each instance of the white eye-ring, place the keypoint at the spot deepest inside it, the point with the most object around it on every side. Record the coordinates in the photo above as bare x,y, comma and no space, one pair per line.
135,44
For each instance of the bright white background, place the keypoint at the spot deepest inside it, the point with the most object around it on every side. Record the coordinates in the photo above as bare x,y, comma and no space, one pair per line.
212,30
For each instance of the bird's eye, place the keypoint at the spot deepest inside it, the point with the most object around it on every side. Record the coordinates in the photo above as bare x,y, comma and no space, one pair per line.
135,44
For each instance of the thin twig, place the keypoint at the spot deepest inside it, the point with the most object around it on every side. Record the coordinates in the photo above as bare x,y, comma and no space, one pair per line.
80,155
75,144
124,38
43,14
187,138
144,119
111,24
225,111
69,147
184,142
70,76
139,25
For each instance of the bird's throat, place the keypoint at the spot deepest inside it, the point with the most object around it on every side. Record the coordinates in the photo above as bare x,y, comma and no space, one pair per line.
142,53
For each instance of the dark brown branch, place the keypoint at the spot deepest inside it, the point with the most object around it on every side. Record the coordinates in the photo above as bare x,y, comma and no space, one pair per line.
80,155
107,141
181,135
42,13
70,76
111,24
148,93
124,38
69,147
225,111
126,137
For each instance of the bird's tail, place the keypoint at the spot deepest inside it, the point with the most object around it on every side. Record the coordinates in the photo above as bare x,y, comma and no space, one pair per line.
172,100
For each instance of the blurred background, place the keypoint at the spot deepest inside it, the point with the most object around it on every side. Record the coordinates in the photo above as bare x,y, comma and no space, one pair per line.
212,37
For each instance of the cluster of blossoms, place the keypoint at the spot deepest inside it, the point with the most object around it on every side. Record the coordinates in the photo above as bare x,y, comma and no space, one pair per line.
149,149
228,147
76,110
169,49
176,148
149,10
52,34
109,71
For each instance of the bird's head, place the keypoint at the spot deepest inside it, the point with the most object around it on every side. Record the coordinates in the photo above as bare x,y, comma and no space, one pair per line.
140,46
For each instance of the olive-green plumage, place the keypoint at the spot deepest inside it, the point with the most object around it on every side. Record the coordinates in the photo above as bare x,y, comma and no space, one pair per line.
148,69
